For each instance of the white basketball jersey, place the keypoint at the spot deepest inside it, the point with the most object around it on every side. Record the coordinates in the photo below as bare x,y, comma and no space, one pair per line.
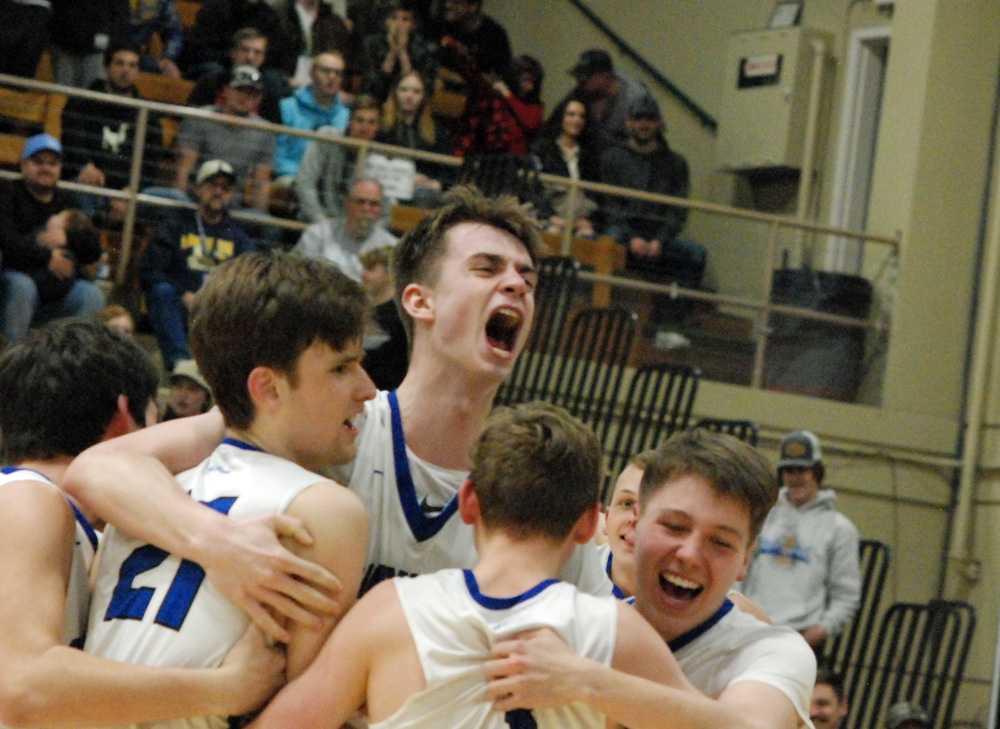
154,609
454,627
604,562
412,506
84,547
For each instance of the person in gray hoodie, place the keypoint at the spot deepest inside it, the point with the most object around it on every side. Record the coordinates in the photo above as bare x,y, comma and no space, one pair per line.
805,571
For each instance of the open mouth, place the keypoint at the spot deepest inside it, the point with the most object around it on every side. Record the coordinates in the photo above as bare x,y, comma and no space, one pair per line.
502,328
678,588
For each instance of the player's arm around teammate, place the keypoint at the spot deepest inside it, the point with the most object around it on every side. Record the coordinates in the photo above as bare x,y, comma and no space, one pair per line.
245,560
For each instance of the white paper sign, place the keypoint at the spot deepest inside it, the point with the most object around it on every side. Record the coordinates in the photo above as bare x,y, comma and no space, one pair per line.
395,175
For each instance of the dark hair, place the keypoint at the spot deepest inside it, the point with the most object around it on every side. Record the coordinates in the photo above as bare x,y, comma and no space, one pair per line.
60,385
536,470
831,678
264,310
247,33
533,67
366,102
118,46
420,250
82,237
732,468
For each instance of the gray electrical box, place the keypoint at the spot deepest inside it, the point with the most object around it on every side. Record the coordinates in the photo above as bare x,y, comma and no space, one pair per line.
765,99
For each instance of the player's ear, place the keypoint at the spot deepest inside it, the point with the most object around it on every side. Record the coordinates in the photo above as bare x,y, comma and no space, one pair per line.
122,421
417,300
264,387
586,524
468,502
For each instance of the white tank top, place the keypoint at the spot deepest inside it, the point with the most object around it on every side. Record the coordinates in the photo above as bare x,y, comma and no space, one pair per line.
454,627
154,609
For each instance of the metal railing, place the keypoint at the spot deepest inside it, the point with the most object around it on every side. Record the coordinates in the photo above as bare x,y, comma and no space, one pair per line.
761,308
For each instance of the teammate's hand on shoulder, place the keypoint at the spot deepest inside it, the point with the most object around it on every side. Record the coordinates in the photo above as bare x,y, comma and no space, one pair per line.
533,670
257,667
251,567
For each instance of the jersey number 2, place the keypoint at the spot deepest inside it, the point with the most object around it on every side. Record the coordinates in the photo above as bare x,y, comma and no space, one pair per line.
520,719
130,603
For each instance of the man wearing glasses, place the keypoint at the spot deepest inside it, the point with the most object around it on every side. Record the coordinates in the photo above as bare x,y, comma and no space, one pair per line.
342,240
314,106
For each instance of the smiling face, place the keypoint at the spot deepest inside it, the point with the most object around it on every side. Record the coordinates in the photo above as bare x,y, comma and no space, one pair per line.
319,403
826,711
480,302
574,119
620,523
692,545
801,484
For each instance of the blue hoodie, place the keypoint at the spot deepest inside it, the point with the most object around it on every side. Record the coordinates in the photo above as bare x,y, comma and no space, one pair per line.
301,111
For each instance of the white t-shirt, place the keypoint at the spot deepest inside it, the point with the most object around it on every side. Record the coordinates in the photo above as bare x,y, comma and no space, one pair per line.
412,505
454,627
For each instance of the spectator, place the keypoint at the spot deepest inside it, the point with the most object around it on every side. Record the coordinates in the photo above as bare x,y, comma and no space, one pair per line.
317,105
649,230
24,35
309,27
407,122
829,704
343,239
472,41
398,51
99,137
609,95
27,244
210,43
327,169
82,33
805,572
117,317
907,715
82,246
189,392
386,349
249,151
185,248
158,17
499,119
565,148
249,47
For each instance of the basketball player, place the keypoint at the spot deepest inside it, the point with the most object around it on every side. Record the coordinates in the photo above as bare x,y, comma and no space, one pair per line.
278,338
63,388
703,499
413,647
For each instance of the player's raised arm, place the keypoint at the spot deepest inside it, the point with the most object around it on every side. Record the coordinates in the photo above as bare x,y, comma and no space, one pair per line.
128,482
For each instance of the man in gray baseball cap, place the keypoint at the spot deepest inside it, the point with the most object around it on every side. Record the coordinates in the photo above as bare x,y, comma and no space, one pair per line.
907,715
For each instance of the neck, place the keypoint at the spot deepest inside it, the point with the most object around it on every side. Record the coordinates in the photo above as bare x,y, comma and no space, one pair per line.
536,559
408,117
268,436
211,216
322,99
41,194
443,412
565,140
625,579
642,147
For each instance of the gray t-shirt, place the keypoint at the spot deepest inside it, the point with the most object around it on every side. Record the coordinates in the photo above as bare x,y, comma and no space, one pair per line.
243,148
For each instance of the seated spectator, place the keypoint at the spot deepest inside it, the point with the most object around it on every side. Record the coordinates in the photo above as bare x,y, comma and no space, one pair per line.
82,246
327,169
502,117
117,317
82,33
471,39
210,43
829,705
309,27
907,715
189,392
805,572
158,17
609,96
386,347
26,244
248,151
184,249
649,231
565,148
249,47
342,240
407,122
99,137
317,105
395,52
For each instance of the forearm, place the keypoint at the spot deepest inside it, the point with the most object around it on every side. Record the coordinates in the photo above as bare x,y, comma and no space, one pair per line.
66,687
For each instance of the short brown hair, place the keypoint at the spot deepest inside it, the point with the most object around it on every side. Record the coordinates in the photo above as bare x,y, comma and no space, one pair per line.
365,102
734,470
264,310
536,470
420,250
377,257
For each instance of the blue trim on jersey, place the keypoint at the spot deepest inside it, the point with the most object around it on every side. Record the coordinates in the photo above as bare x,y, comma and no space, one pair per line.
501,603
423,527
236,443
88,528
7,470
615,590
699,630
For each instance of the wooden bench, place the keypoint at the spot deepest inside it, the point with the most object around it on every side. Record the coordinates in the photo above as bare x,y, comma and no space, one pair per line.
32,112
